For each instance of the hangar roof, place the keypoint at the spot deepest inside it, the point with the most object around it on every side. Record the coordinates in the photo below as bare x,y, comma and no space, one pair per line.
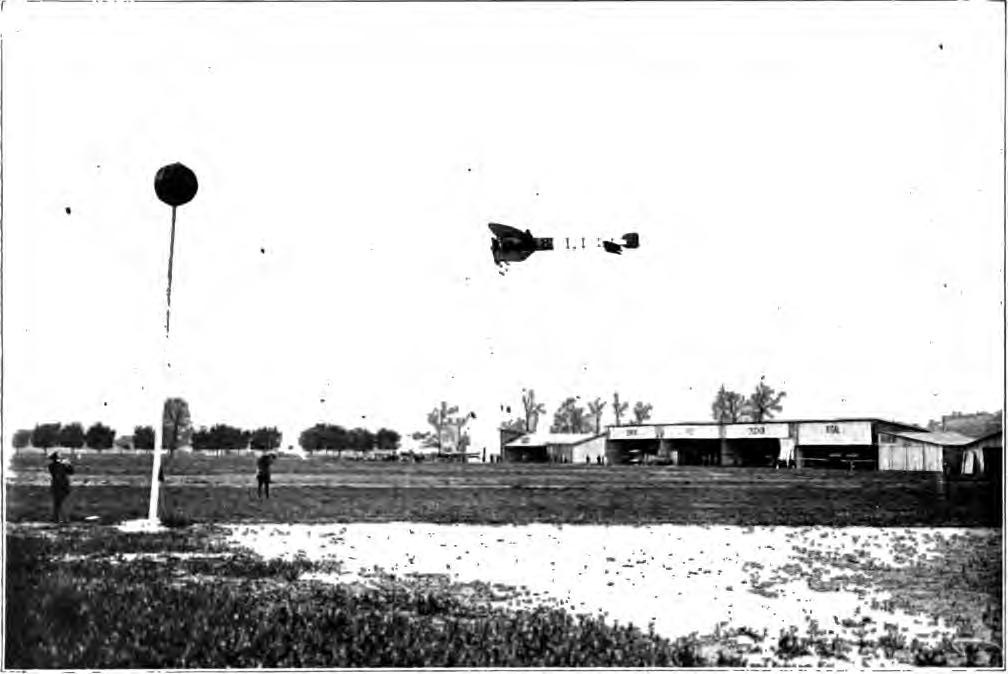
994,435
541,439
813,420
945,438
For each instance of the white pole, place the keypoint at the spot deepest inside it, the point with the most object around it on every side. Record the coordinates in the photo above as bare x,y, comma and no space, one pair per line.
152,508
161,392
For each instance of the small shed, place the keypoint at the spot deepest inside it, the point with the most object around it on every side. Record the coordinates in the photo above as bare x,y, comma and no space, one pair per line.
556,448
938,451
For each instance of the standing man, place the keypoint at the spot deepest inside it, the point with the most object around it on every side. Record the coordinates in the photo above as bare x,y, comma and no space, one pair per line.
59,473
263,472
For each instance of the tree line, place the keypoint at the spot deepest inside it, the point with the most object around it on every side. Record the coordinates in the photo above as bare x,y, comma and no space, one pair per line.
99,436
573,417
324,436
73,435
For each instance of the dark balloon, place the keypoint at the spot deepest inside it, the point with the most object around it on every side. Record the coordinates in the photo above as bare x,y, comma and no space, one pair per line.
175,184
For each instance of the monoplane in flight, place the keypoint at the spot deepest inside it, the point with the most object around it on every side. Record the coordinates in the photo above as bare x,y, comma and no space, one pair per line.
510,244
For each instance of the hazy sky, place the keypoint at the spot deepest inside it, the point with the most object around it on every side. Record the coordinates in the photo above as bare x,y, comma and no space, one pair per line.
817,187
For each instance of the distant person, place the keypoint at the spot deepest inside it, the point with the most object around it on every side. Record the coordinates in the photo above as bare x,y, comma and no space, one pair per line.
263,466
59,472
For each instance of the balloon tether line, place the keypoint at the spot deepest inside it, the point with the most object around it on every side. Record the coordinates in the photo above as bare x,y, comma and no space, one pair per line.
171,258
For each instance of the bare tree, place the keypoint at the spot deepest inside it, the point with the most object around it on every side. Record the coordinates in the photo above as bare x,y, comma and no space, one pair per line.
595,408
729,406
619,409
438,418
642,412
532,410
570,418
764,402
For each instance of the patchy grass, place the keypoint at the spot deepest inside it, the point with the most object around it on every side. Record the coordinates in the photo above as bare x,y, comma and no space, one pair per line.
244,612
73,602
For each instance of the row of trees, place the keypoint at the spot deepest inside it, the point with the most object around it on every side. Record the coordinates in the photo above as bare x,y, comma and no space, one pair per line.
176,431
100,436
323,436
45,436
761,405
224,436
572,417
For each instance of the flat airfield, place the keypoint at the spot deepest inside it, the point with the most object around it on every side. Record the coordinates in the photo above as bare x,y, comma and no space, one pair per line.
208,489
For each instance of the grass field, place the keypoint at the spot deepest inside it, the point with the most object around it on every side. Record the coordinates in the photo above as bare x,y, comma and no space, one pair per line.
222,489
387,564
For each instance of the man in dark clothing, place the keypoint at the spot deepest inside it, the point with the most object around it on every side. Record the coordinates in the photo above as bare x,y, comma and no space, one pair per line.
263,472
59,473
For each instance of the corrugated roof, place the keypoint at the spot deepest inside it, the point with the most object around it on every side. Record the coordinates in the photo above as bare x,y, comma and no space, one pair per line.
541,439
946,438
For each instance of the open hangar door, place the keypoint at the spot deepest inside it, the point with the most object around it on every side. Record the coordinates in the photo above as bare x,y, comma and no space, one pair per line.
692,444
837,444
693,452
632,444
754,445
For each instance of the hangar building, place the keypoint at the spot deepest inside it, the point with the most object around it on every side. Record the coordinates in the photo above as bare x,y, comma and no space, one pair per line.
555,448
810,443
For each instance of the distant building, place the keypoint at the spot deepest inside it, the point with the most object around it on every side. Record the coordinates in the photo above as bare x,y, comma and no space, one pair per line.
849,443
544,447
974,425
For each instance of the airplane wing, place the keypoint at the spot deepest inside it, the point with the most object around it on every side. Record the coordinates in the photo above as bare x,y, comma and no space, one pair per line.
506,231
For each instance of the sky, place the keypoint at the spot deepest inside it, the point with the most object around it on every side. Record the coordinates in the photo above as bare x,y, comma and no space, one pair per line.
818,190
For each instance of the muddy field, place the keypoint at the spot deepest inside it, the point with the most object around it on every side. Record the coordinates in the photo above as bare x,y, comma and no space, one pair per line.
854,587
420,594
